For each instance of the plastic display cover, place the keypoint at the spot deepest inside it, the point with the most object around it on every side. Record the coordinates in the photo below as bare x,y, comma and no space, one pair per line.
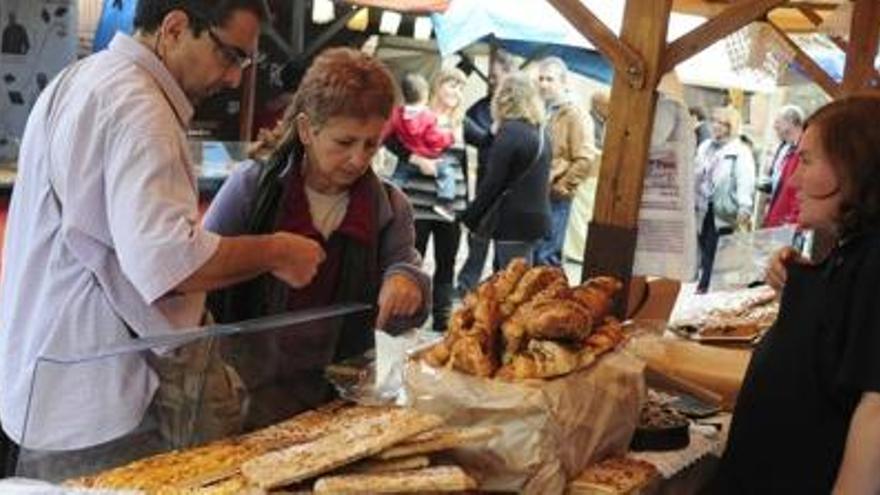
742,258
200,385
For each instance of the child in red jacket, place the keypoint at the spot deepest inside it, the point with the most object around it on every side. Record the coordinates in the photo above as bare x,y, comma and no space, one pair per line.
416,129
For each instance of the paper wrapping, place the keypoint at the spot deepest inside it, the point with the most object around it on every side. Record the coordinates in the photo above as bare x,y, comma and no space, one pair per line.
550,429
719,369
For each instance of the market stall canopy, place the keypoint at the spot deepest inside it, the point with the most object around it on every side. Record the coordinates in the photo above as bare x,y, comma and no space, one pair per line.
469,21
410,6
466,21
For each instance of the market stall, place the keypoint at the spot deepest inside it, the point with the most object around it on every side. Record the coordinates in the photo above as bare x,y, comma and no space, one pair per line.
557,392
534,382
534,387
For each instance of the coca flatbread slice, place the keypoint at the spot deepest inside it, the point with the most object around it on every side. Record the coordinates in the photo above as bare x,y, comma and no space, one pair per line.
235,485
617,475
434,479
439,439
362,439
310,425
391,465
174,469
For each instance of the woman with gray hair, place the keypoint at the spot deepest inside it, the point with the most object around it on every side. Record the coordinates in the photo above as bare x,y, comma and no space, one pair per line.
512,204
725,186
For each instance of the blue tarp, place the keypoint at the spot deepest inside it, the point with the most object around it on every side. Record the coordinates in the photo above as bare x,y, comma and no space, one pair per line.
116,15
467,21
588,63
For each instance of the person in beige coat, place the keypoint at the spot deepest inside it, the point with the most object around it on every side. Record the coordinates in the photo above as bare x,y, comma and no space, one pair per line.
573,156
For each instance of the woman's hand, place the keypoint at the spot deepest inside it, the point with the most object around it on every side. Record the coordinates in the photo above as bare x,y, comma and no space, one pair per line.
297,258
399,296
778,269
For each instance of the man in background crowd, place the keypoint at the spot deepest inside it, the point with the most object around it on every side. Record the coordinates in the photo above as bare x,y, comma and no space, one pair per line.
783,207
600,108
573,154
702,128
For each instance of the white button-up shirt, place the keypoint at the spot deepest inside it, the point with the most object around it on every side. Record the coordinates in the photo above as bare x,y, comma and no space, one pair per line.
102,227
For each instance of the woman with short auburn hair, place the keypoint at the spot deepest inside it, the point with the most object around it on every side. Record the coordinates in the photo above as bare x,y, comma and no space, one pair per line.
318,182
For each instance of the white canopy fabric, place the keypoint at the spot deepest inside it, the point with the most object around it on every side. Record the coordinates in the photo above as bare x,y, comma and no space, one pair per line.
467,21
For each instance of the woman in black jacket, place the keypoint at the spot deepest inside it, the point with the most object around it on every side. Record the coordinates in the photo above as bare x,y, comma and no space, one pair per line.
517,174
807,418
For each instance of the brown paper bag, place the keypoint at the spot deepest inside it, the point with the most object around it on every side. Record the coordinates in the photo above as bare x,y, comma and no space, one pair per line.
550,429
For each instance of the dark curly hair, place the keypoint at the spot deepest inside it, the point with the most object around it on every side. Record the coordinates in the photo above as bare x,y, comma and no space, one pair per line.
849,133
202,13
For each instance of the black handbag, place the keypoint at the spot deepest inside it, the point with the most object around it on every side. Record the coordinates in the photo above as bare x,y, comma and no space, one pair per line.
487,225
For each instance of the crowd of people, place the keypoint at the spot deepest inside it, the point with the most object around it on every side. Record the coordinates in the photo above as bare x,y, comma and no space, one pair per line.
732,191
533,152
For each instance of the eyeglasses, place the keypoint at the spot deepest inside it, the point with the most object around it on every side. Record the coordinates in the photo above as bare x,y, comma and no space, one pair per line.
233,55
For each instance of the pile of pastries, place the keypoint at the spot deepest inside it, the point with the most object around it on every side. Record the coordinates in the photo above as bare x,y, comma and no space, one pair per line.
529,323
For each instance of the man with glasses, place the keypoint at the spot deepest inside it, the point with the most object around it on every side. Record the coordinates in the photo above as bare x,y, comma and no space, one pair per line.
104,242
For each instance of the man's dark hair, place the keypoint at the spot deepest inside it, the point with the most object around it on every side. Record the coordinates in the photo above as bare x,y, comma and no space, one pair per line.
202,13
698,113
415,88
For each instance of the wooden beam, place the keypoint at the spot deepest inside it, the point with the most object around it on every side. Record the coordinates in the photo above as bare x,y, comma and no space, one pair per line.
816,73
864,35
611,244
811,15
817,5
724,24
839,42
626,61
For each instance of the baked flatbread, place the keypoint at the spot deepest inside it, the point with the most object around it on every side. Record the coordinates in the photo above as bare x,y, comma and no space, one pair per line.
391,465
435,479
362,439
617,475
187,468
439,439
208,466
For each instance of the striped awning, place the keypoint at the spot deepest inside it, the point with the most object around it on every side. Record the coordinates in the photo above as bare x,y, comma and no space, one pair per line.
407,6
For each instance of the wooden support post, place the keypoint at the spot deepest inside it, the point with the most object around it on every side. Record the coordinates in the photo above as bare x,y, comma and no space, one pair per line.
841,43
816,73
864,34
715,29
811,15
817,5
626,61
613,231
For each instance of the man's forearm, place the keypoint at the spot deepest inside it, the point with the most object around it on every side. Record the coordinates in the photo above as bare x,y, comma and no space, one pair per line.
860,469
236,259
